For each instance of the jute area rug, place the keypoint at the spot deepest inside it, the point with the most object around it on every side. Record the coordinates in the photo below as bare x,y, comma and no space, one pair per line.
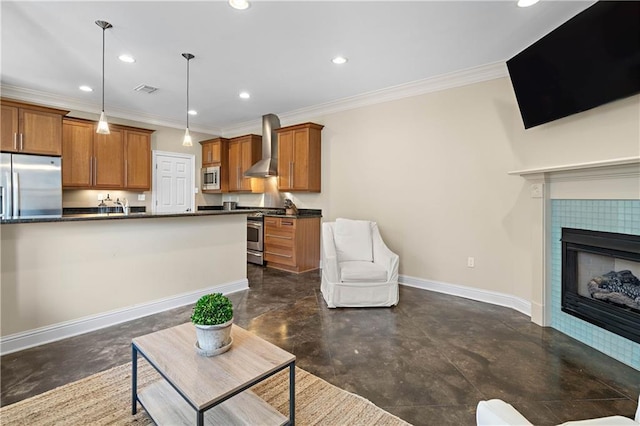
105,399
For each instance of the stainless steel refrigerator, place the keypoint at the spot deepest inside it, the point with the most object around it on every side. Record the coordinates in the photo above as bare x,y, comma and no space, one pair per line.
31,186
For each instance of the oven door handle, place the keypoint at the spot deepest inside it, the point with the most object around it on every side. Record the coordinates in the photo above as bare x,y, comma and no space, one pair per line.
254,226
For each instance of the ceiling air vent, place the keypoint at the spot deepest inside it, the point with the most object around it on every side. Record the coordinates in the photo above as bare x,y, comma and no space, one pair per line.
146,89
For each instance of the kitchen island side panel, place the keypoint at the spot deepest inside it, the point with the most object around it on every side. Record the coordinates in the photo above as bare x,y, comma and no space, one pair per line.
64,271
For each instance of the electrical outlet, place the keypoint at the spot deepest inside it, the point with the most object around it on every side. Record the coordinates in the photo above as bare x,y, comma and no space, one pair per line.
141,197
471,262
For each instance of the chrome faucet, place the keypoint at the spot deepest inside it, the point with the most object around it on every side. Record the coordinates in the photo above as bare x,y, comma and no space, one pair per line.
124,204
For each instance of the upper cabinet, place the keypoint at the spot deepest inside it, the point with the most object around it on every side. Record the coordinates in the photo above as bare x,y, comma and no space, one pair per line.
31,129
215,152
244,152
108,159
299,158
77,149
119,160
137,159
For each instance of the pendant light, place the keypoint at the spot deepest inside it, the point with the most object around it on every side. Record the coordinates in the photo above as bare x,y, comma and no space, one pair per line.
103,126
187,137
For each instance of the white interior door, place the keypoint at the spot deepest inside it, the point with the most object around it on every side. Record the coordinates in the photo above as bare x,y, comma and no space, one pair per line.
173,190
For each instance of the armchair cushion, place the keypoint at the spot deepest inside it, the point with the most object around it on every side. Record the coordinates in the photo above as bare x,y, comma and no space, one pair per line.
353,240
355,271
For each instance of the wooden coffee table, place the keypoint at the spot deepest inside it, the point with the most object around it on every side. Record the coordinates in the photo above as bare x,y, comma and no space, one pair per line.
211,390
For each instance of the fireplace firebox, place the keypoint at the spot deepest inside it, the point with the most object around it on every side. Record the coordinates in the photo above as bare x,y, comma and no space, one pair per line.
601,279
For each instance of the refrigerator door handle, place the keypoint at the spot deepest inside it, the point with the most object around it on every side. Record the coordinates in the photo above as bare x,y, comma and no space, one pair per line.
16,195
4,203
7,193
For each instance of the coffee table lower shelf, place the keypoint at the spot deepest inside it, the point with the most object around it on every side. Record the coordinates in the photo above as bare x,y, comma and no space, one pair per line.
167,407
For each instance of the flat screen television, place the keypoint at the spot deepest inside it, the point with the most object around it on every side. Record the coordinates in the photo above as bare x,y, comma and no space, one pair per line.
590,60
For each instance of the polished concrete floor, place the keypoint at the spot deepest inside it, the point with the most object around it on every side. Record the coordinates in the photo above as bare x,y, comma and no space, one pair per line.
429,360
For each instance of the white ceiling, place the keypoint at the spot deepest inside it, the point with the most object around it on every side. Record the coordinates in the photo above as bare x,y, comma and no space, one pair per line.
280,52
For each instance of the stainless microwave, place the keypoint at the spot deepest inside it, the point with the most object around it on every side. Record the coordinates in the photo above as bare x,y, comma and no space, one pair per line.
211,178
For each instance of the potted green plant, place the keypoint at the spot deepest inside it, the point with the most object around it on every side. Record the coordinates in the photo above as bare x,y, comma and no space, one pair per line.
213,316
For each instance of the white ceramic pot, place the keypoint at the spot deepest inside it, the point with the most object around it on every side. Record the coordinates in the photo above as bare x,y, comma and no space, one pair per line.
211,338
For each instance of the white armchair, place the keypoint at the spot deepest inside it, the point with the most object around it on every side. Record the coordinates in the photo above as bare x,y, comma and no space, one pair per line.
358,269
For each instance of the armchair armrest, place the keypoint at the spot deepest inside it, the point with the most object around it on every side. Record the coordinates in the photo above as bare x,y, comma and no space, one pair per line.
383,255
496,412
329,256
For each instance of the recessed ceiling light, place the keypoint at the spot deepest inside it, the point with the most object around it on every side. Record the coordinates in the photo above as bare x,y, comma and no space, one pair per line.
239,4
192,112
244,95
85,88
527,3
127,58
339,60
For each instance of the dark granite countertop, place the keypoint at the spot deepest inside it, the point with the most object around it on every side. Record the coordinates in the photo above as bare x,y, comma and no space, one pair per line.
70,217
270,211
302,214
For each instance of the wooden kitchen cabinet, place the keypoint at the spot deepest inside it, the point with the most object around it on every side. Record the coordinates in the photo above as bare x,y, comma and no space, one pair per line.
137,159
120,160
299,158
244,152
108,159
31,129
77,153
215,152
292,244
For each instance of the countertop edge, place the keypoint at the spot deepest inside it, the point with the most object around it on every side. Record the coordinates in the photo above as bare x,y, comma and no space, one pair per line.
120,216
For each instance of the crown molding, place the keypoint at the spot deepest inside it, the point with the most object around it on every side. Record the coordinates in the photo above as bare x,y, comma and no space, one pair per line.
419,87
75,104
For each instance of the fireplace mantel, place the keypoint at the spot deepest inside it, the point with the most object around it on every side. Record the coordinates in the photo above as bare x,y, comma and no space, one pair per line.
597,180
613,179
589,167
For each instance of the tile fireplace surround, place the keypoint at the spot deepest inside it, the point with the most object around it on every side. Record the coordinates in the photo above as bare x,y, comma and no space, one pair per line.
599,196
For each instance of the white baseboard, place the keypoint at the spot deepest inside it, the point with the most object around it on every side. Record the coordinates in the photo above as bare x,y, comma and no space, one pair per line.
39,336
480,295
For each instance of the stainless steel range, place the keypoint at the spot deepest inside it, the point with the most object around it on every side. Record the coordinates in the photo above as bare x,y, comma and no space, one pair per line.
255,235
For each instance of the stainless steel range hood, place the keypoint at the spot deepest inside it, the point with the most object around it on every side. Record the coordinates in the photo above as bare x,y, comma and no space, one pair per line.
268,166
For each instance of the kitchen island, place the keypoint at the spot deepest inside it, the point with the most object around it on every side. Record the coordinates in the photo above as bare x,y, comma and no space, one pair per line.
65,276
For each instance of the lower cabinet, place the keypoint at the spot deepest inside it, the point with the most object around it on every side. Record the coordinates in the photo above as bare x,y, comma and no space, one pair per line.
292,244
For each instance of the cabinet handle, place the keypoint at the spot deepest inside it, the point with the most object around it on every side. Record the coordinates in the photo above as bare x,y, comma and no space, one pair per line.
287,223
290,174
95,170
240,178
21,142
91,171
15,141
288,256
279,236
126,174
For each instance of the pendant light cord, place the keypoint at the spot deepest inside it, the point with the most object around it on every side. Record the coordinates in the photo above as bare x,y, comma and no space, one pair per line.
188,60
103,30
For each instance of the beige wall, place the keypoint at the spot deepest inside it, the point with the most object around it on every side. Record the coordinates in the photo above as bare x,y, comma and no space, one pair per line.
432,171
62,271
